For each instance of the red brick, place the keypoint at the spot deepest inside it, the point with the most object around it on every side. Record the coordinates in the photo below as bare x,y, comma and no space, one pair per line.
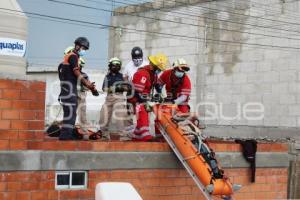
28,95
53,195
47,185
13,186
36,125
68,146
5,104
10,114
37,105
10,94
282,179
8,134
41,96
264,147
51,175
35,145
30,186
4,124
8,196
69,194
38,86
85,145
19,125
15,176
21,104
28,115
21,85
39,135
5,83
279,147
3,186
0,93
24,196
18,145
4,144
51,145
86,194
100,146
26,135
40,115
38,195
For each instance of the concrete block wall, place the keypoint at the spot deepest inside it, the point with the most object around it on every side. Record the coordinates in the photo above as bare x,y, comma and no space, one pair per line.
228,75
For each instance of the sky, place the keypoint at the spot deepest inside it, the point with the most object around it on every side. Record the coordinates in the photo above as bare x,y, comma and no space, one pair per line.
48,37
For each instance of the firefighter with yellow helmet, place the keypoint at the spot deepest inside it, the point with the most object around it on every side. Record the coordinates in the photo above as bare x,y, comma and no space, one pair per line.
144,81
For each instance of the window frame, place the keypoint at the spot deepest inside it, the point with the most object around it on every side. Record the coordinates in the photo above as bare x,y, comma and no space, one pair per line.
70,186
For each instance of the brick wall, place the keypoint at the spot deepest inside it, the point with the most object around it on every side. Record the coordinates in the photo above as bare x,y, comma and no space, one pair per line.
151,184
22,105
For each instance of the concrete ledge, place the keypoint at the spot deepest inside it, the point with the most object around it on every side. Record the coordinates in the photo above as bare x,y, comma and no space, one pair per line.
53,160
269,133
155,5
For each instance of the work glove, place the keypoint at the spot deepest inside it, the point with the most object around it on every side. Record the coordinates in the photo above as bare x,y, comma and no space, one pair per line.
119,88
168,100
148,107
95,92
111,89
157,98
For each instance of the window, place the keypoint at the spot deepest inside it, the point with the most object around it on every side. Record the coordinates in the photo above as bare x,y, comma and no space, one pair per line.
70,180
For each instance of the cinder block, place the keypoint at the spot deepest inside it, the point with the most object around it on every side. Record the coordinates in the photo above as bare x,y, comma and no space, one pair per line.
239,78
225,99
288,121
294,87
280,110
255,77
248,88
294,110
287,99
238,98
271,121
288,76
225,79
263,66
212,79
281,88
247,67
271,77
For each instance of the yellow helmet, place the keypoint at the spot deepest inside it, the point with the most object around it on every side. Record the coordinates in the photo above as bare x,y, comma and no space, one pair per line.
160,61
68,50
181,64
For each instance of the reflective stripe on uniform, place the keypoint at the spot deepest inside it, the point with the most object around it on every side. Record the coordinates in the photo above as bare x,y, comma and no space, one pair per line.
140,136
142,129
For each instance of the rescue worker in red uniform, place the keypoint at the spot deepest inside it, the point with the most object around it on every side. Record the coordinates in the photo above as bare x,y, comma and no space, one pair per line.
178,85
178,88
144,81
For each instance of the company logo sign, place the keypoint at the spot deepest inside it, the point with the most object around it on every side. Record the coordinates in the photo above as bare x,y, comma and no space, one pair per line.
12,47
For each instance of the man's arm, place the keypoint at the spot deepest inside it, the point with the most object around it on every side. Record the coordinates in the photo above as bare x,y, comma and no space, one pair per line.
76,70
